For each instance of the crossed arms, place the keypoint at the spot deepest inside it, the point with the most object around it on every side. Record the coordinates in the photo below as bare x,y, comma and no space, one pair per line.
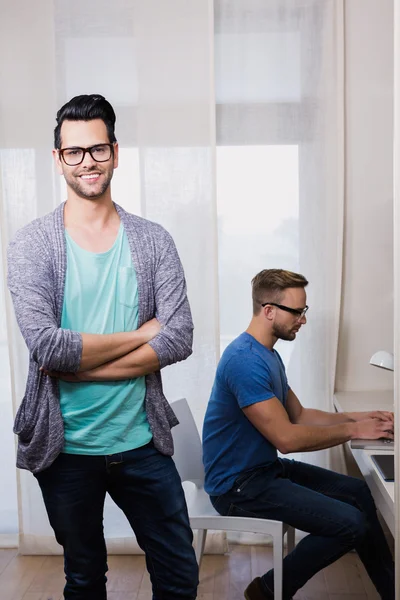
36,290
115,356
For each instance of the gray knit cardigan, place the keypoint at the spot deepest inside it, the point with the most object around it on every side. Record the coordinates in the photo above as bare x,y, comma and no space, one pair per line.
37,264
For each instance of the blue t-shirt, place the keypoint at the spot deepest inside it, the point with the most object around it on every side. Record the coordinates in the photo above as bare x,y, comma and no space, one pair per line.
247,373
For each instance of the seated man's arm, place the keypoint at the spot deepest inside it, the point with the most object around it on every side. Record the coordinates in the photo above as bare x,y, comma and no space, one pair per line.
273,422
310,416
251,382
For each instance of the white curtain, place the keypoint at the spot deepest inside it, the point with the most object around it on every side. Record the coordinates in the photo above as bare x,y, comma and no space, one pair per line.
229,119
279,94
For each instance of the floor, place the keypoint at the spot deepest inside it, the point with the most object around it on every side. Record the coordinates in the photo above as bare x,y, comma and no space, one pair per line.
221,577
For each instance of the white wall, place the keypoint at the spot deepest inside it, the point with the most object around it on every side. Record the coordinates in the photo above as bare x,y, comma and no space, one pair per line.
397,279
367,295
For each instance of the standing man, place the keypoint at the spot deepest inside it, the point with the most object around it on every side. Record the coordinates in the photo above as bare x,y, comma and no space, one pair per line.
100,298
252,413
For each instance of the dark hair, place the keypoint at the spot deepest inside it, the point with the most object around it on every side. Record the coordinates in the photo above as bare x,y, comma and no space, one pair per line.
270,285
86,108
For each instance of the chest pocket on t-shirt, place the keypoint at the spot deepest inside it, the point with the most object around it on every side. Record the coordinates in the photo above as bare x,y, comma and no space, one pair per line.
127,287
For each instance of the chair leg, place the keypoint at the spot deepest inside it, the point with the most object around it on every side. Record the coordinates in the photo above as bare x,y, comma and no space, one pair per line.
201,541
278,558
290,539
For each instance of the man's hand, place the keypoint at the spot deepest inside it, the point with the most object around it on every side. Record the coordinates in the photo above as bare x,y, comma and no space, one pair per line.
372,429
381,415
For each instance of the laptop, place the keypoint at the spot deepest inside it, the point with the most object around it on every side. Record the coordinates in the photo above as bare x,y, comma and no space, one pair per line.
385,465
380,444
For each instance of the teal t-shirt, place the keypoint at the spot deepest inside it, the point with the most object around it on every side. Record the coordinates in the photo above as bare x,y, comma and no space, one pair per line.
101,296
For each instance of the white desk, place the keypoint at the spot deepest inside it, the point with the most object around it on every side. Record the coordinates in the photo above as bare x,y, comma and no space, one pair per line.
382,491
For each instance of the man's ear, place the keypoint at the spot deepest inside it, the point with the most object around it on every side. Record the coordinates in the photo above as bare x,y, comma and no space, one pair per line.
269,312
116,155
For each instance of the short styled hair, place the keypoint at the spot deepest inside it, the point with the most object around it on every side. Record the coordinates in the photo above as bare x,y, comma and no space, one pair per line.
86,108
270,284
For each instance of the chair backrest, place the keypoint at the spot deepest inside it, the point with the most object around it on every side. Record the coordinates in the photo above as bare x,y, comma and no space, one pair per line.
187,444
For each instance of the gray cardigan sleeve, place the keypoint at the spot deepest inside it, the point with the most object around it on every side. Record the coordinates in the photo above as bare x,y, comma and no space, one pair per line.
31,281
174,342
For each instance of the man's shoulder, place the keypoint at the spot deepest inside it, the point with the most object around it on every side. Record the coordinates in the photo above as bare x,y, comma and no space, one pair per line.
241,342
34,233
244,353
236,352
142,225
244,343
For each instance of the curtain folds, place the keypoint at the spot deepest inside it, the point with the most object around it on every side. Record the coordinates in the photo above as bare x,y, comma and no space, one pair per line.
230,123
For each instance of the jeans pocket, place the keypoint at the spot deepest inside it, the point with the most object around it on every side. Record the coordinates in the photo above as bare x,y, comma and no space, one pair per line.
243,480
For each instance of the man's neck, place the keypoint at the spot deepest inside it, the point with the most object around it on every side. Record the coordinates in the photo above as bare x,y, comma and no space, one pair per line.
261,335
96,214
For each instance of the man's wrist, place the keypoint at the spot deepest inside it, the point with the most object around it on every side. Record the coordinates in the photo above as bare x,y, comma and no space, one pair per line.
351,430
350,416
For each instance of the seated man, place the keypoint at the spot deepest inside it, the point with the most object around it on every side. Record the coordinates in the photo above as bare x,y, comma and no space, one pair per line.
252,413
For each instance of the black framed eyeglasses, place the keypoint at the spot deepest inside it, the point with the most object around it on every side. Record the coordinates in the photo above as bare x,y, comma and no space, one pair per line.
74,156
300,313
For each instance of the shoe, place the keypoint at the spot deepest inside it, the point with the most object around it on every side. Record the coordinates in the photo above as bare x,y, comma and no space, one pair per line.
256,591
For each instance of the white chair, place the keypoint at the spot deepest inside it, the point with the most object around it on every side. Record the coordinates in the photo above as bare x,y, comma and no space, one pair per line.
203,516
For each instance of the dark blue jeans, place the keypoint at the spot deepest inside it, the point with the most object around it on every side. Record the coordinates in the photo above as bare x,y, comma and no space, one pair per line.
337,511
146,486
